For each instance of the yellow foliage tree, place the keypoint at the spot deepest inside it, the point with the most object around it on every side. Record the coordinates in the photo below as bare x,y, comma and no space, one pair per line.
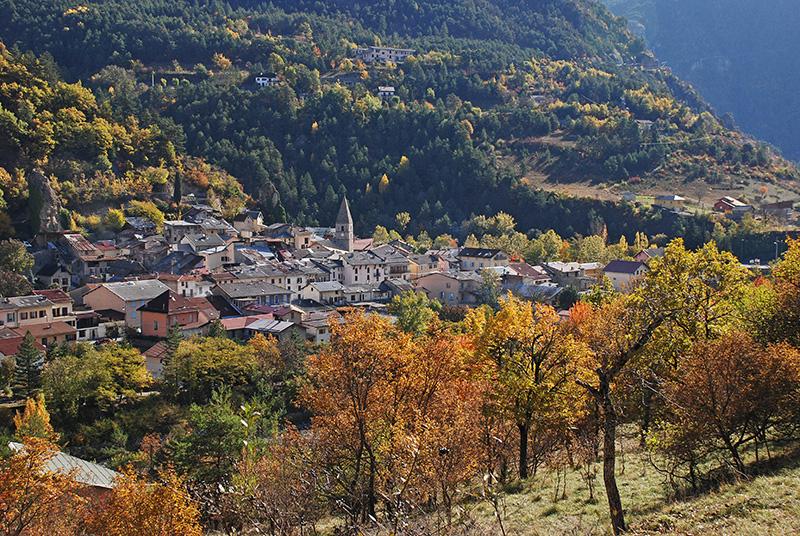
137,506
34,421
383,185
34,499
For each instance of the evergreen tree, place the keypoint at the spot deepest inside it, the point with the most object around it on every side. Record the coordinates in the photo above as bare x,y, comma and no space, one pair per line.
217,330
174,338
28,367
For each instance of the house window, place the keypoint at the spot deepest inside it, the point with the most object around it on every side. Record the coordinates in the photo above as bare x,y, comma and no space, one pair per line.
11,317
22,316
63,311
55,312
42,314
155,325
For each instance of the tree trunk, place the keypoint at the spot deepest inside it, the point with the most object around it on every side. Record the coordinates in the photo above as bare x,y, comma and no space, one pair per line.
610,463
523,450
647,401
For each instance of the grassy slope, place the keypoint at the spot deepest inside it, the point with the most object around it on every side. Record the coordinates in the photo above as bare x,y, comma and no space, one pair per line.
767,504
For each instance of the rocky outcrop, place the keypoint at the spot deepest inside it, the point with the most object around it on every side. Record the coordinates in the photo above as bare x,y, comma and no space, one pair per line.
44,204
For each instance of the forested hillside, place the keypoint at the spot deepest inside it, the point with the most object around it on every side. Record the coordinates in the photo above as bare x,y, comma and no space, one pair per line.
499,91
740,54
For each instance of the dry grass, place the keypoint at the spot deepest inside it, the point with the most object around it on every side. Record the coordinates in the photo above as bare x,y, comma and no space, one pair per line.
762,505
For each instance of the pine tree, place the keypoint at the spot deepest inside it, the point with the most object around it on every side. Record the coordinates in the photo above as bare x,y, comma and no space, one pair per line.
216,329
174,338
28,367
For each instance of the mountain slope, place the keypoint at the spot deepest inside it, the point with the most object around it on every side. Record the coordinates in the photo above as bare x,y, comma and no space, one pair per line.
499,93
740,54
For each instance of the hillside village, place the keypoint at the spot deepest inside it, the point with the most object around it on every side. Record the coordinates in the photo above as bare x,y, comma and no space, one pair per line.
281,280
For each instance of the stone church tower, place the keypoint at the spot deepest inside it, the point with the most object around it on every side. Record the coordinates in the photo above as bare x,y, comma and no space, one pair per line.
344,237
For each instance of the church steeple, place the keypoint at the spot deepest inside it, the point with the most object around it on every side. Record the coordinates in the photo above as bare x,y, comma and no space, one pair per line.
344,236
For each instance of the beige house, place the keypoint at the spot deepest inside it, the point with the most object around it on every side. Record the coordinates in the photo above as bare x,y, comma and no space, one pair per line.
125,297
479,258
249,223
419,265
671,201
327,292
625,274
47,315
450,288
215,250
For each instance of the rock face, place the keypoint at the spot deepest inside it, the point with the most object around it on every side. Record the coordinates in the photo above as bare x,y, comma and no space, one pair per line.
44,204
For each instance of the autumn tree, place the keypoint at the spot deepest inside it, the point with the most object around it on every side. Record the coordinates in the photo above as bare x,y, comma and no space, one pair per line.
35,499
534,362
202,364
14,257
700,292
616,334
138,506
268,354
779,313
278,492
414,311
730,392
34,421
394,417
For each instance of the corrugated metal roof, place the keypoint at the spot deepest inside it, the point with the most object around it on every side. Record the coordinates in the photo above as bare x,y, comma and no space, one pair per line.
88,473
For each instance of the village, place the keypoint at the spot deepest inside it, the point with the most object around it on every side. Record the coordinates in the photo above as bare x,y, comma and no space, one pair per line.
247,277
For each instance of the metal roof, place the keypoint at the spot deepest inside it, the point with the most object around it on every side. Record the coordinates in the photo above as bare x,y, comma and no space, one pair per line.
88,473
136,290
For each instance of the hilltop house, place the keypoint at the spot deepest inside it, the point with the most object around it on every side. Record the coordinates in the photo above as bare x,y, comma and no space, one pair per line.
267,80
385,92
781,211
728,204
249,223
377,54
670,201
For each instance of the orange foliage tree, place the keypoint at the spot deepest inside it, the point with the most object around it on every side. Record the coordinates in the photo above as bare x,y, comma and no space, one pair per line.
137,506
34,499
532,360
395,418
730,392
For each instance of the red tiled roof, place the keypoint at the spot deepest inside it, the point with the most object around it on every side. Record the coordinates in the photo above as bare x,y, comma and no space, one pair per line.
205,307
241,322
52,329
156,351
526,270
54,295
10,340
